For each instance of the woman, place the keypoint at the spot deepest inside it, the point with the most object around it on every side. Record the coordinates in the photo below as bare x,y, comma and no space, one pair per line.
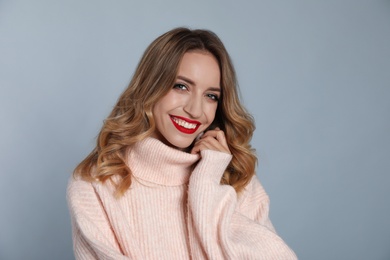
173,174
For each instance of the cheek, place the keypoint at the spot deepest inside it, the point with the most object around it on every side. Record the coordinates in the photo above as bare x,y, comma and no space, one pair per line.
169,101
211,112
156,109
163,104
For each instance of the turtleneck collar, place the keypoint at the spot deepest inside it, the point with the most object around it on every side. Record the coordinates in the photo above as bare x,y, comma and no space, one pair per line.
155,162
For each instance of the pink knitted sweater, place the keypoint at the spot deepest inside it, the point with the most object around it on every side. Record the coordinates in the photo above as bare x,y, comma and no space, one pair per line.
173,211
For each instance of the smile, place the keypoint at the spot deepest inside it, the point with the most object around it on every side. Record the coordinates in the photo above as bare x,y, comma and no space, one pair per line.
185,125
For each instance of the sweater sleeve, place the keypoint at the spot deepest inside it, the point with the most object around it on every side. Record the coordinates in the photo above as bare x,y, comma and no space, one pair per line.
220,225
93,237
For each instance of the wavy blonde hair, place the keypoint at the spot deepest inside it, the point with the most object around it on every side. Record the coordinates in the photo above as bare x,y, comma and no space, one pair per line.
132,120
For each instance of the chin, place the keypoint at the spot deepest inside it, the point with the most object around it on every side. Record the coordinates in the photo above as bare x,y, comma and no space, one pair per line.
180,143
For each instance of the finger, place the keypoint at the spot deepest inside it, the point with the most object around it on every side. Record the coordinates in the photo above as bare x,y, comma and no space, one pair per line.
222,139
204,144
218,135
209,143
200,146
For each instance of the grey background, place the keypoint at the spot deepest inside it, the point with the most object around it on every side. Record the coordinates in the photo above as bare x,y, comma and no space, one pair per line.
315,75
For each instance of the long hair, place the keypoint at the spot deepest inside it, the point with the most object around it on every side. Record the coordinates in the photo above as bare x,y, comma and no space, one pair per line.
132,120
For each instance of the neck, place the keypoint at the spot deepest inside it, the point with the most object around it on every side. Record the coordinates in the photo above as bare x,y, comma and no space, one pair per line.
154,161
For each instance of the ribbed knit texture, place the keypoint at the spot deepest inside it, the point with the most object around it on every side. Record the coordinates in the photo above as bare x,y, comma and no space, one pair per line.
173,211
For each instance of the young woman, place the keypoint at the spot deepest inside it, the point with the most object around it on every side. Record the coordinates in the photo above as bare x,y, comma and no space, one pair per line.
173,174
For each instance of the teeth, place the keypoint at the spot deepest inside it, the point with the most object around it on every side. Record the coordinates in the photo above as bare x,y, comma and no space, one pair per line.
184,123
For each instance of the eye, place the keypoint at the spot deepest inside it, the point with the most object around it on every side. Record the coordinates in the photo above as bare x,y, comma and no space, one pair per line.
213,97
180,86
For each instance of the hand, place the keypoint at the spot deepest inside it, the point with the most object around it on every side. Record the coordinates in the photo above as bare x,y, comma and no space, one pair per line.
212,140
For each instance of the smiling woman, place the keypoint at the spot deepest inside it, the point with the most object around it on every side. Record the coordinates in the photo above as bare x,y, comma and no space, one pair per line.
173,174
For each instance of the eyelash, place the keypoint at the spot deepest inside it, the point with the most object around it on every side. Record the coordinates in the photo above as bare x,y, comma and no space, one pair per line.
180,86
213,97
184,87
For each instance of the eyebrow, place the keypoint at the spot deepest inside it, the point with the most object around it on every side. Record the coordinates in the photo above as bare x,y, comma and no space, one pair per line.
191,82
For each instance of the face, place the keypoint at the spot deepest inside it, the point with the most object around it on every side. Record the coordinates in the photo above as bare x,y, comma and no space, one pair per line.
190,106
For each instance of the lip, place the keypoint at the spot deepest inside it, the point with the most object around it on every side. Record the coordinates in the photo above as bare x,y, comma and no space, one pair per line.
183,129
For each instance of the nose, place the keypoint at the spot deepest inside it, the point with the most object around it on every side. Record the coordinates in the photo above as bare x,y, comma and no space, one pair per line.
194,107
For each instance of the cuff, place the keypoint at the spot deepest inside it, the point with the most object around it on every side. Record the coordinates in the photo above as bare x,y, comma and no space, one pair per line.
211,166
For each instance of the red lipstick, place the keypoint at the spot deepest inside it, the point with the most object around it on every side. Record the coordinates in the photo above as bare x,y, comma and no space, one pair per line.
182,128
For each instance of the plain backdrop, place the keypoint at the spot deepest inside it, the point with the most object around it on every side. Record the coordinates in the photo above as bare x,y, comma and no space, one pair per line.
314,74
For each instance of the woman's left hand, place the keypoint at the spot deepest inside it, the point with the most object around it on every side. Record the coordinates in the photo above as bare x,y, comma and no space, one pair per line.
212,140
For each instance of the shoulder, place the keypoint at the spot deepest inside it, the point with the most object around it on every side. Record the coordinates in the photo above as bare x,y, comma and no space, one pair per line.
254,186
78,191
85,201
253,194
78,187
82,195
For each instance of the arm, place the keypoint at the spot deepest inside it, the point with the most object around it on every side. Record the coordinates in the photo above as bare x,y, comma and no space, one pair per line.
222,226
93,237
253,202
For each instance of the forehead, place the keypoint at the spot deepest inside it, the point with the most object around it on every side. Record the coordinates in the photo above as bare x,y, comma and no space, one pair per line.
199,53
201,67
